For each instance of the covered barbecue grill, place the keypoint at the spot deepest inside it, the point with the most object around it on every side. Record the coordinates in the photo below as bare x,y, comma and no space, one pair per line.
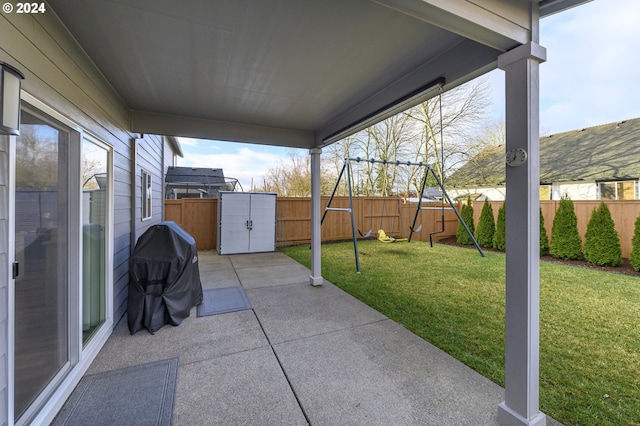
164,279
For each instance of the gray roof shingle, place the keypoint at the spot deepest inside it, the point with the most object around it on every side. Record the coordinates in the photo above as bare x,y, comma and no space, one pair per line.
606,152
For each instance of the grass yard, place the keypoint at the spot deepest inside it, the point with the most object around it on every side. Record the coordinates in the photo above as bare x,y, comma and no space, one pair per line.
455,299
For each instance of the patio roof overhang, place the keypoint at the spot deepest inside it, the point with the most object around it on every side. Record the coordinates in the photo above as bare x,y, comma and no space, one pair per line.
291,72
304,73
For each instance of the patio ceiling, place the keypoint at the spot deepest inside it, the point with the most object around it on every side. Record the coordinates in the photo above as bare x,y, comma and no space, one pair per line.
298,73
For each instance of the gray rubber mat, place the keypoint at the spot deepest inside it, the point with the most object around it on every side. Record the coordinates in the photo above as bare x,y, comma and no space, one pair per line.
222,300
142,394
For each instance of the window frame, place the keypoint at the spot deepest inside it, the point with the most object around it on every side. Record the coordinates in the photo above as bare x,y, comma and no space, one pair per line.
614,185
146,195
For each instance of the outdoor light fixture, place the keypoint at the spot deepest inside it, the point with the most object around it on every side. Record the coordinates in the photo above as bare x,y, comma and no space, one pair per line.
9,99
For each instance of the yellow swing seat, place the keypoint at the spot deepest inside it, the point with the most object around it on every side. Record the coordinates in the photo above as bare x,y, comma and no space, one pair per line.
383,237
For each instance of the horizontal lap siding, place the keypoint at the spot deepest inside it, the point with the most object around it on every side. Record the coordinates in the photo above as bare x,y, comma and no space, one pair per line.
4,266
59,74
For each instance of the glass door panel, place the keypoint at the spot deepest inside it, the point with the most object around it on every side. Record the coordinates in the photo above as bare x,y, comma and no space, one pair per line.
41,247
95,205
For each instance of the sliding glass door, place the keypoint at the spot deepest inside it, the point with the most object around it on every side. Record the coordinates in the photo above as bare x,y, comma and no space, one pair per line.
42,242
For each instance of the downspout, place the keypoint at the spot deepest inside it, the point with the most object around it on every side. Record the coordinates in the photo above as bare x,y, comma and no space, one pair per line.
132,186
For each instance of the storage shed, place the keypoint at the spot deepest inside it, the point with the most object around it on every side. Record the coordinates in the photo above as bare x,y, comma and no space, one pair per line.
246,222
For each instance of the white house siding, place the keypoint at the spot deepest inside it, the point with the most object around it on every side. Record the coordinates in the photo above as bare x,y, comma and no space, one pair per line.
574,191
59,75
4,276
491,193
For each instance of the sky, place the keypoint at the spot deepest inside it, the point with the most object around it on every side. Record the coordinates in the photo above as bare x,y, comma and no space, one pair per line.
591,77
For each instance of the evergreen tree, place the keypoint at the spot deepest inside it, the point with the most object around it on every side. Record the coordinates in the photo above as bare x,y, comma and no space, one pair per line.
601,242
544,239
486,226
462,237
634,257
500,236
565,239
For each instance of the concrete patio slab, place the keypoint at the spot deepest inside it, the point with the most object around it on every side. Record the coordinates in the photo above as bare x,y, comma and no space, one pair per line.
210,261
219,278
381,374
194,340
246,388
303,355
275,275
258,260
290,312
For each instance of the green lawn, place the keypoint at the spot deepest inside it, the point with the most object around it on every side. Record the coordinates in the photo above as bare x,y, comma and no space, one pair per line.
455,299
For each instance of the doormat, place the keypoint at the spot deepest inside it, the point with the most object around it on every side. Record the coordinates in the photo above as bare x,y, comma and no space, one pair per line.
222,300
139,395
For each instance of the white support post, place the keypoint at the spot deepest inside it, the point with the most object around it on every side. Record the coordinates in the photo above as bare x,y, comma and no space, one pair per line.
521,405
316,269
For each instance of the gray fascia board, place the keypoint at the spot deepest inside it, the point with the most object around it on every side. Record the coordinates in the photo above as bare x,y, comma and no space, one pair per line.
550,7
173,125
458,65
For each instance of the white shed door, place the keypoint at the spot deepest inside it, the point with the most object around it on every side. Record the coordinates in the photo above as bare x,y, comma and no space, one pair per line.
234,218
263,222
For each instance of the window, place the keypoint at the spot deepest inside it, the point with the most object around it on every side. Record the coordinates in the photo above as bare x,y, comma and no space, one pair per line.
617,190
545,192
146,195
96,184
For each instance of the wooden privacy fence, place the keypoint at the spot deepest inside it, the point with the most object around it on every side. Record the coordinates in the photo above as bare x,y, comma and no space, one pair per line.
199,217
623,213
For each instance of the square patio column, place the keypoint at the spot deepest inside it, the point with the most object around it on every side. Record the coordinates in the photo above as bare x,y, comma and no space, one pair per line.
316,270
522,345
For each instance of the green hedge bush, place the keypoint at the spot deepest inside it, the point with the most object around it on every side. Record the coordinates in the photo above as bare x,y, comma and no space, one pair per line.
601,242
544,239
486,226
565,240
634,257
500,236
462,237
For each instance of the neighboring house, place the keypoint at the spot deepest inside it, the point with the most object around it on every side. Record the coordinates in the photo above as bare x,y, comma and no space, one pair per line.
596,163
196,182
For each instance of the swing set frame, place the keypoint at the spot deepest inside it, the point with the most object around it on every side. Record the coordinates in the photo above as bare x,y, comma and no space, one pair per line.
428,169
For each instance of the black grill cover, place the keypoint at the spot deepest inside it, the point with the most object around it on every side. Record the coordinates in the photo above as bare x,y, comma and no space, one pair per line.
164,279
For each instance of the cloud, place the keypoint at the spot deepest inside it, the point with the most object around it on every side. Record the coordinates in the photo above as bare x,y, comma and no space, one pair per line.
188,141
240,161
588,78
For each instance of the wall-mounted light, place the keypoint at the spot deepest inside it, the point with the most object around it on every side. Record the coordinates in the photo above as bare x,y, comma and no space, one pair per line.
9,99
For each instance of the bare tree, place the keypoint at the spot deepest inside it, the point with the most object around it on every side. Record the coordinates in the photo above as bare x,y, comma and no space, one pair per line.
292,178
441,132
436,132
448,123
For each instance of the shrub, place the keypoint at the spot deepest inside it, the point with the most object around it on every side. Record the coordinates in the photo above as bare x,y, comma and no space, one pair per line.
565,240
500,236
601,242
634,257
544,239
486,226
462,237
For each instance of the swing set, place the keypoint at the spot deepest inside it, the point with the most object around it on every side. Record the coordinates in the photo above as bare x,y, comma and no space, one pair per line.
382,235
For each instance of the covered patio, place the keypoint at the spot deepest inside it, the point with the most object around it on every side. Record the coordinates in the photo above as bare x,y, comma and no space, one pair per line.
307,74
302,355
294,73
